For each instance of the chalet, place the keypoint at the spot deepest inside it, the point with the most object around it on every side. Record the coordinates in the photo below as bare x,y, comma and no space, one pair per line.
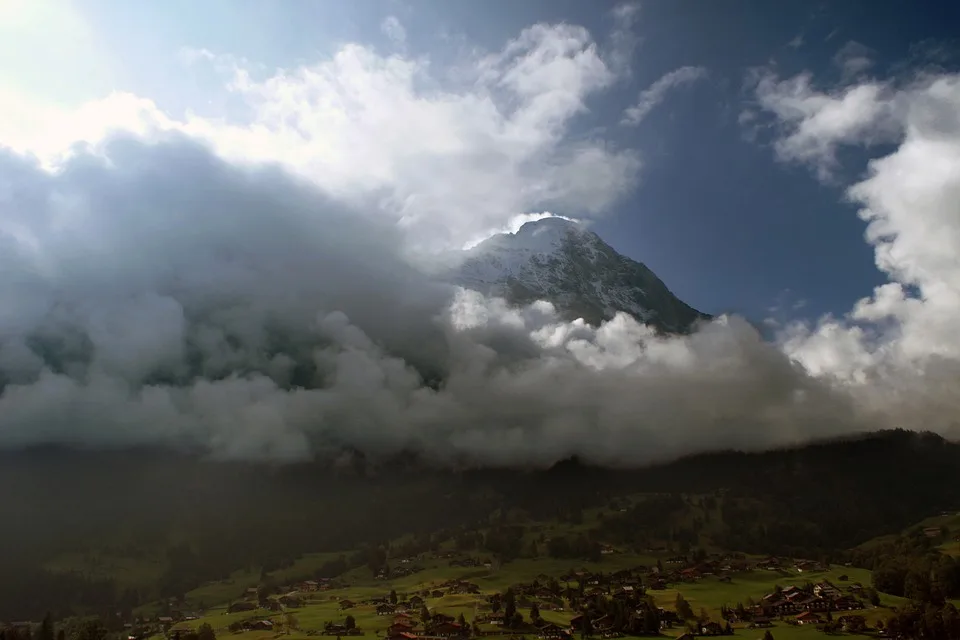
260,625
551,631
436,593
760,622
932,532
271,605
441,618
448,630
237,607
667,616
347,604
405,635
847,603
416,602
690,575
251,592
291,600
403,618
808,565
603,623
711,629
164,620
808,617
852,623
385,609
825,590
399,627
495,618
309,586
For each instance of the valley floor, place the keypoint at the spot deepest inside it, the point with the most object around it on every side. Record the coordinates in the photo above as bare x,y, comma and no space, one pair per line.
707,593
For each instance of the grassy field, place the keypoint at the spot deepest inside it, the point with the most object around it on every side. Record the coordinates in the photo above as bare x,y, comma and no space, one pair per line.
708,593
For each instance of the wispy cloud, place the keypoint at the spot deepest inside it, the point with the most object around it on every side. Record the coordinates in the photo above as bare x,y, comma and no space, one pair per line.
657,92
395,31
853,59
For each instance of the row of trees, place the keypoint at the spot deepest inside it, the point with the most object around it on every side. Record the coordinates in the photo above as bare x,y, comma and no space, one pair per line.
925,620
73,629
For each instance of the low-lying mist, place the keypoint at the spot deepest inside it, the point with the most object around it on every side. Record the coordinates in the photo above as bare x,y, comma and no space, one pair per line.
155,294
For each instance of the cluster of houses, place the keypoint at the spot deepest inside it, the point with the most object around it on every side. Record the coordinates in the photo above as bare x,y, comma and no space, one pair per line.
388,573
773,563
807,605
471,562
439,625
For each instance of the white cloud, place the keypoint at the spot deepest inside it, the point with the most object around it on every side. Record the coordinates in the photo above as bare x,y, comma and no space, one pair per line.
657,92
450,159
899,347
392,28
158,295
624,39
814,124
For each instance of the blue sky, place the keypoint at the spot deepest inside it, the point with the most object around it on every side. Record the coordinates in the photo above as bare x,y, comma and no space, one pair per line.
713,213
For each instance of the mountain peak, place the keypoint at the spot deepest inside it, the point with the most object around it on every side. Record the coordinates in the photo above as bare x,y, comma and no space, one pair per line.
548,225
559,260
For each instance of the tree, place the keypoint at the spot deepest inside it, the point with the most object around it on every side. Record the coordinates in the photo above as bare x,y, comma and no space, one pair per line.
651,621
351,623
767,635
46,628
393,596
91,630
916,586
462,621
534,613
424,614
683,608
509,607
206,632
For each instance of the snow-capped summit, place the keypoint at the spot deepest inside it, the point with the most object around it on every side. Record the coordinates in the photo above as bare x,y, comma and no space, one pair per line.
562,261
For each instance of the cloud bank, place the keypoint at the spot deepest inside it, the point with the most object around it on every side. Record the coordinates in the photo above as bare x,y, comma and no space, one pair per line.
896,352
244,288
161,295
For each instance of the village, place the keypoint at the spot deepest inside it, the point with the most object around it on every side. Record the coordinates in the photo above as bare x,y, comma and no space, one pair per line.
635,600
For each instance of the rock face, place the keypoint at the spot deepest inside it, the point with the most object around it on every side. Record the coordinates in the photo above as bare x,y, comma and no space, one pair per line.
560,261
